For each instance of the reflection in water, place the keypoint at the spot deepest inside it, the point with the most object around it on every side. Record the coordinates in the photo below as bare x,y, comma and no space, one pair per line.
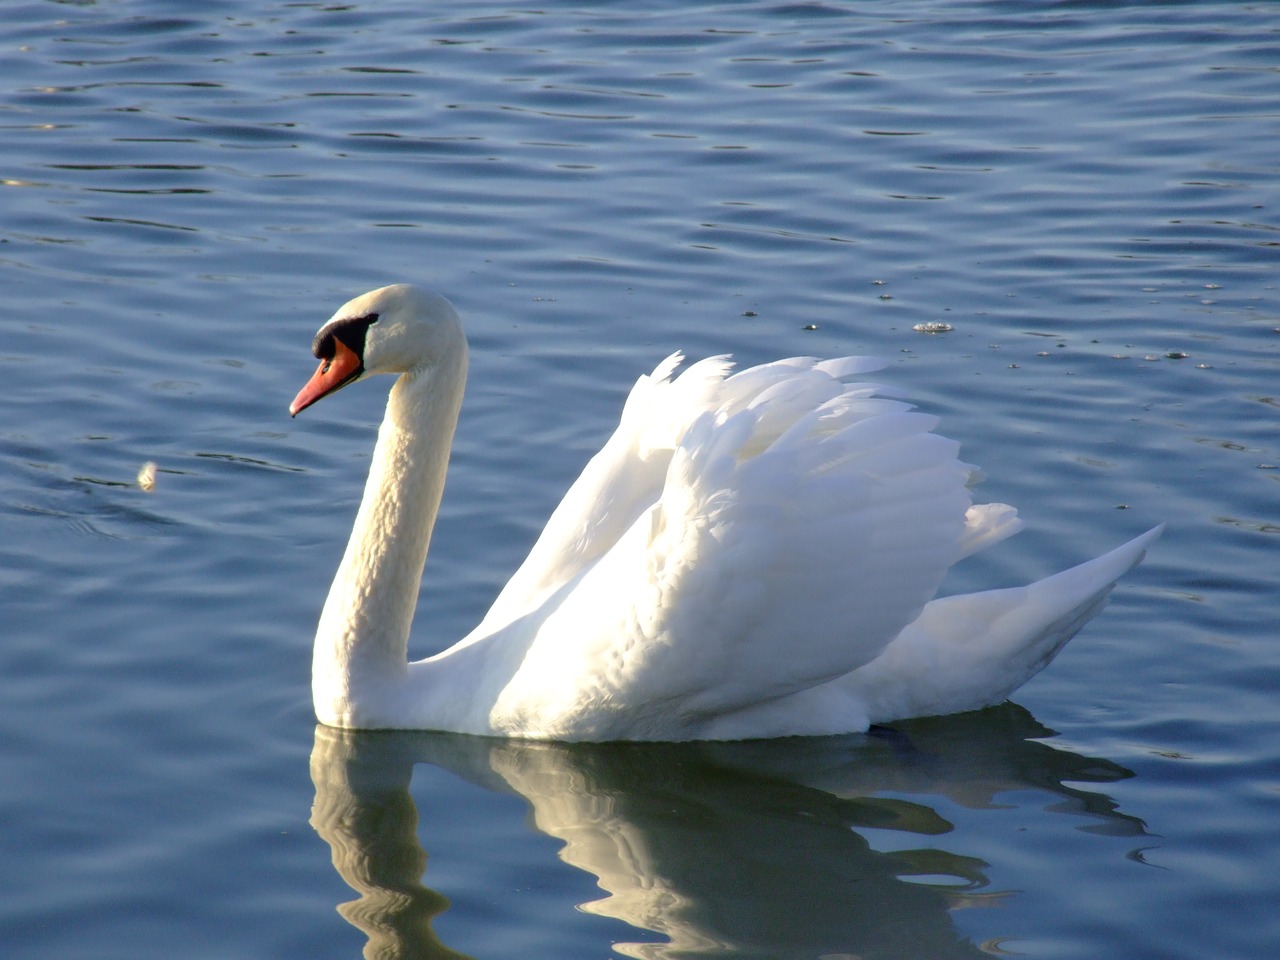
722,848
363,810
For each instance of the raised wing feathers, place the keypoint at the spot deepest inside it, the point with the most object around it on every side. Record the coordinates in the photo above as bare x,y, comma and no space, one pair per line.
618,484
788,532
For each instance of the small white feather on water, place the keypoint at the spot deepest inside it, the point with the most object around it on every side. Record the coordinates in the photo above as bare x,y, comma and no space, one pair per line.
147,477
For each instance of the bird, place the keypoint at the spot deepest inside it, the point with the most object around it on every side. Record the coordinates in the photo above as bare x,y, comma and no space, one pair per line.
751,554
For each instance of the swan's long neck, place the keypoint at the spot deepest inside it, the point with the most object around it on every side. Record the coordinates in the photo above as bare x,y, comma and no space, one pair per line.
362,641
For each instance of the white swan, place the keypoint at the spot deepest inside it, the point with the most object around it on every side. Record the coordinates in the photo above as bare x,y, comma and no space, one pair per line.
751,555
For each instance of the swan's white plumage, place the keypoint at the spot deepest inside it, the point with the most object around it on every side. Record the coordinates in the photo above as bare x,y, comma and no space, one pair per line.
750,554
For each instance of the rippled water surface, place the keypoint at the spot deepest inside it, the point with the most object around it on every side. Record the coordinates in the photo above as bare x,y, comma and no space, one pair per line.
1085,193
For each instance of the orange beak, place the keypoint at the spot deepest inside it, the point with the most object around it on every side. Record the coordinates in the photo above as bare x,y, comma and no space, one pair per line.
333,374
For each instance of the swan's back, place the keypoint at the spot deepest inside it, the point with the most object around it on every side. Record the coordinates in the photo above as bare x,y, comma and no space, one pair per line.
739,539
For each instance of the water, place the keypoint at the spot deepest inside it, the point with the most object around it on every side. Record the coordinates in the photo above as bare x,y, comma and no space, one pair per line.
1086,193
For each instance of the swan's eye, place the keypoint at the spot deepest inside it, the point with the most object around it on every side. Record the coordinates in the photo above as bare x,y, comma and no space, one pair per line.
350,331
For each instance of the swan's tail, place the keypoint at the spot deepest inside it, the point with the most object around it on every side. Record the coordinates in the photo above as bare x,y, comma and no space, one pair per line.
971,651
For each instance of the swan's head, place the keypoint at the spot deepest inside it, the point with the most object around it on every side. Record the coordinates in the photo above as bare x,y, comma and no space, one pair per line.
393,329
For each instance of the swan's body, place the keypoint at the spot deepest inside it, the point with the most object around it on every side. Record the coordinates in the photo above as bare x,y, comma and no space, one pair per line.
752,555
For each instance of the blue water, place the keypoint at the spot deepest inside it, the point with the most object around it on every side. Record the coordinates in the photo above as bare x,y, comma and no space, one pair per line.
1087,193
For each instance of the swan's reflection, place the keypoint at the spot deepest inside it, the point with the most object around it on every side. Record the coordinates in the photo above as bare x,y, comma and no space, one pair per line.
749,848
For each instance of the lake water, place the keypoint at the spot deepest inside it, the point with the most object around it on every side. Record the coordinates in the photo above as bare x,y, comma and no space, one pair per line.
1088,193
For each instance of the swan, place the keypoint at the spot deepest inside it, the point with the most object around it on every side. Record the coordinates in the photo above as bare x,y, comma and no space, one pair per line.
750,555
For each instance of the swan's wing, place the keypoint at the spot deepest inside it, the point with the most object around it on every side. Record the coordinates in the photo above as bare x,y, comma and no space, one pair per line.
618,484
799,527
